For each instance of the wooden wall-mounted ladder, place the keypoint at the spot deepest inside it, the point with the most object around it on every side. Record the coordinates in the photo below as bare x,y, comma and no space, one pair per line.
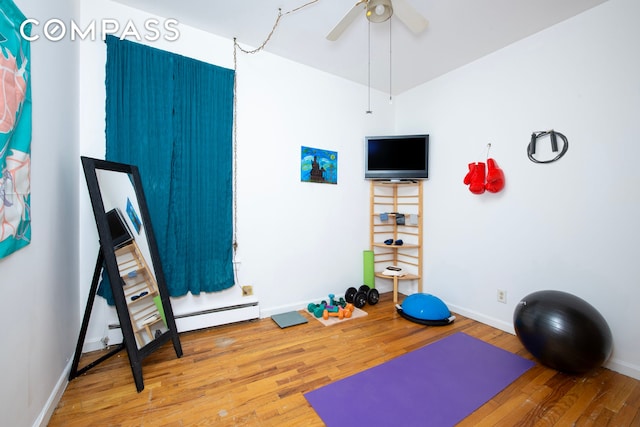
141,293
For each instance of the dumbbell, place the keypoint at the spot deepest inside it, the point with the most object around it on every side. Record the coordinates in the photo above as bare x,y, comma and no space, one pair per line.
373,296
342,313
360,297
317,309
340,302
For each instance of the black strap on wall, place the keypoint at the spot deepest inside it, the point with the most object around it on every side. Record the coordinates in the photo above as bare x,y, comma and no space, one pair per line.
531,148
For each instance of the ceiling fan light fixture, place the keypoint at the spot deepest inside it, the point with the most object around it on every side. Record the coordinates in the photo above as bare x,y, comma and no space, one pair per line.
379,10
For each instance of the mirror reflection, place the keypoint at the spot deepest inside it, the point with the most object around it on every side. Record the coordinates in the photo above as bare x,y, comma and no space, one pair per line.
131,248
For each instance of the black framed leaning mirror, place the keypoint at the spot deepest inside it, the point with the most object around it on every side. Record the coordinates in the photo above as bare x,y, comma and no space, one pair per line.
129,254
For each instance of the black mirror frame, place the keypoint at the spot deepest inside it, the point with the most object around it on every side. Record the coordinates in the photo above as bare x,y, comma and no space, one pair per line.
107,258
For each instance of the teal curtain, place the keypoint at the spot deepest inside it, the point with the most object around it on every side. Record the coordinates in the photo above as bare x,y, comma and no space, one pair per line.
172,117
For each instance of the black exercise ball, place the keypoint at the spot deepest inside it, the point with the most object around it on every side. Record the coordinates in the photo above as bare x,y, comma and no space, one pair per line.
563,331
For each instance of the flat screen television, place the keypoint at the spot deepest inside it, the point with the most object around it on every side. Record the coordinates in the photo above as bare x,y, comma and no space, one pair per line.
396,157
120,234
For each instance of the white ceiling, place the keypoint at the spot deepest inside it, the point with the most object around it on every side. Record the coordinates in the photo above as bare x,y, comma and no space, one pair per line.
459,32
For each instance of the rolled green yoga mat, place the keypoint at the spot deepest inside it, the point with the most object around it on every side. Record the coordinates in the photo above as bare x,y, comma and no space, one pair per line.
158,303
369,277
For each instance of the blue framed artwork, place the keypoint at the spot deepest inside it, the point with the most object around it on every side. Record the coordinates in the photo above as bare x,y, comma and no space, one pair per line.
318,165
133,216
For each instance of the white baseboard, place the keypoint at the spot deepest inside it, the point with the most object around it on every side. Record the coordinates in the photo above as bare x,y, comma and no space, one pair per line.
487,320
96,345
616,365
285,308
52,402
623,368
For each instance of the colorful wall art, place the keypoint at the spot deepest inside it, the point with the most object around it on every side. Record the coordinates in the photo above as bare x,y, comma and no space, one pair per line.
15,132
318,165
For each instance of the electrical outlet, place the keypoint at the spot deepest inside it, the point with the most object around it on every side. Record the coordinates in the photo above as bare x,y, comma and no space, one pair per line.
502,296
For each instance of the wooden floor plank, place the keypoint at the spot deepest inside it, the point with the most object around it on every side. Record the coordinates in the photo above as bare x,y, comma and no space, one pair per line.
256,374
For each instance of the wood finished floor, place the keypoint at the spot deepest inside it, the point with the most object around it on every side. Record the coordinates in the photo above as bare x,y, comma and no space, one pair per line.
255,374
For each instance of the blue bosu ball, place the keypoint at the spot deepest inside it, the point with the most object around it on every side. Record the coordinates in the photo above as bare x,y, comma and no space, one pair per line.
426,309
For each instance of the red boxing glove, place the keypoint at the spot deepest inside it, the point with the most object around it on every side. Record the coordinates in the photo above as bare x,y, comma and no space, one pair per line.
495,177
476,177
467,178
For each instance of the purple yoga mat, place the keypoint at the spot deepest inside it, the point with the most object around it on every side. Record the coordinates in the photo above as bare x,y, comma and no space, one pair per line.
437,385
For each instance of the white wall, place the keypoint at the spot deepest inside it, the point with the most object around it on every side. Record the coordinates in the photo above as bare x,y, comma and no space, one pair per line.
571,225
300,241
39,304
297,241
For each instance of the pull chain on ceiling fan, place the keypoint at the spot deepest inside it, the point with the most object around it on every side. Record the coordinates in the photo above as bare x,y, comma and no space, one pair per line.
369,111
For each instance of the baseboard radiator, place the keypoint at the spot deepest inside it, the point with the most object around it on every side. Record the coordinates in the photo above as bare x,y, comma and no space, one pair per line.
202,319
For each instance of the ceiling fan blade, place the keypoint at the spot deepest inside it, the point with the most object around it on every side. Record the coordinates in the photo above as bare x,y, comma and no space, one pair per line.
355,11
409,16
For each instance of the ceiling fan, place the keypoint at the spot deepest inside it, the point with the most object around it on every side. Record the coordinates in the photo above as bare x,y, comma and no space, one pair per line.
380,11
